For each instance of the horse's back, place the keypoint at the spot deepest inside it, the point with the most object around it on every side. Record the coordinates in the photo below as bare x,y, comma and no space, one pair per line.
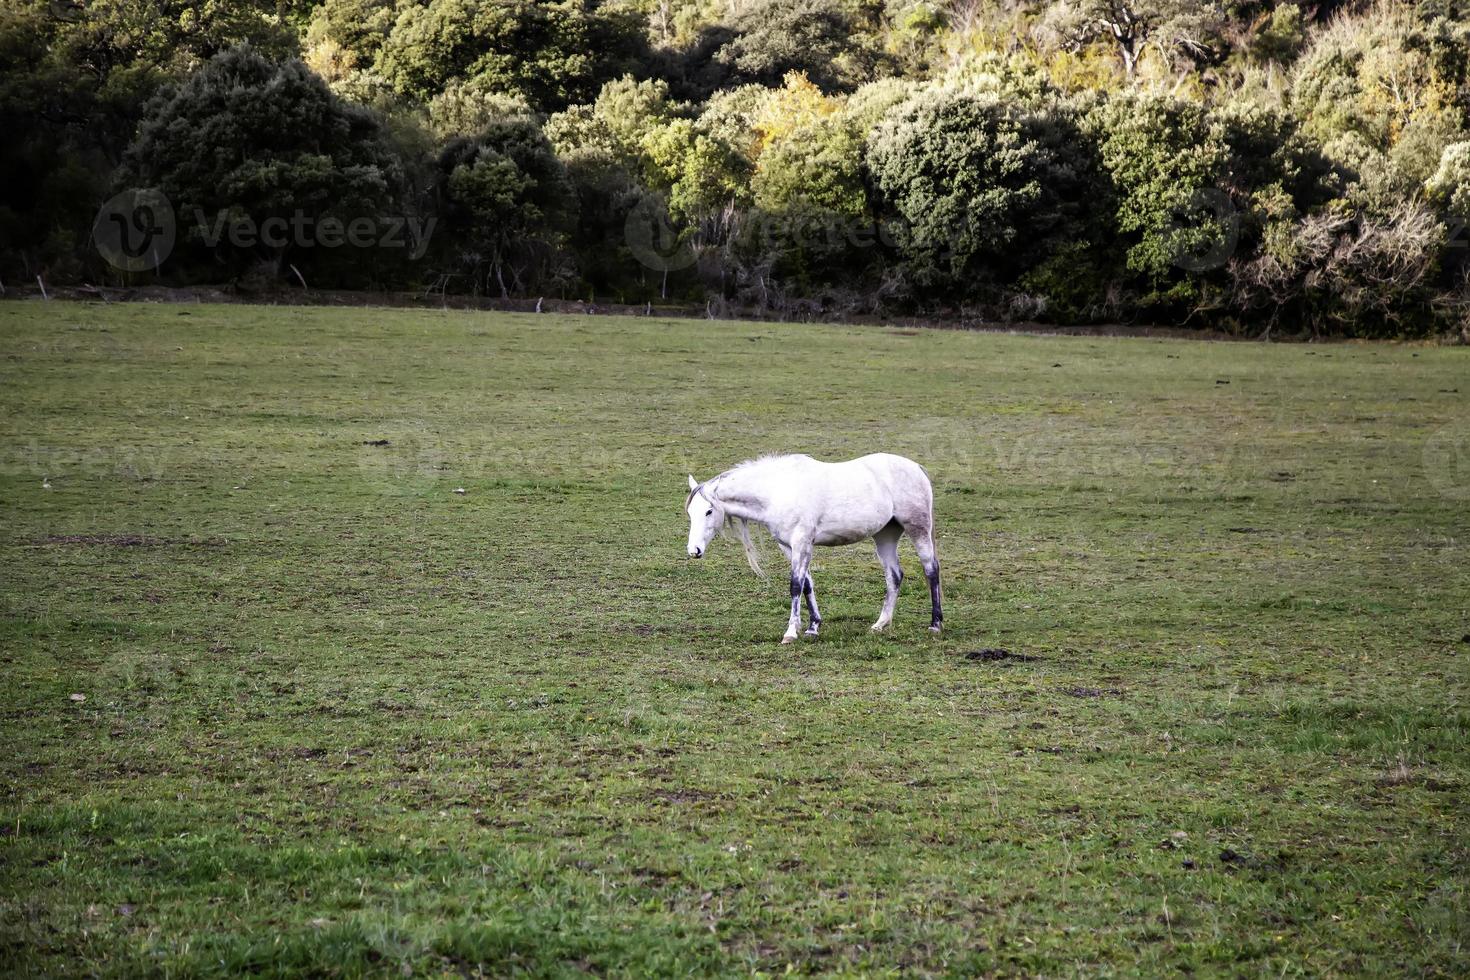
907,484
898,472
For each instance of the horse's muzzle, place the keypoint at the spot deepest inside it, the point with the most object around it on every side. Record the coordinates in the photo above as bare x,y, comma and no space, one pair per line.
696,552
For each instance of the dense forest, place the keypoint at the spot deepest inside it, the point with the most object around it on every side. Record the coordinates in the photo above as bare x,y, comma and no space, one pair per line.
1253,166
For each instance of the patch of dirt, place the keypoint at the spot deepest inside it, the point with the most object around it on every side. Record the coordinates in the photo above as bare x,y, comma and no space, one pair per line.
376,442
1232,858
1093,692
683,795
992,655
126,541
108,540
655,876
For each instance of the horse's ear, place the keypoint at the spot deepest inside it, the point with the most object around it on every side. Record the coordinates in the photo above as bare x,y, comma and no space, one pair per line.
693,483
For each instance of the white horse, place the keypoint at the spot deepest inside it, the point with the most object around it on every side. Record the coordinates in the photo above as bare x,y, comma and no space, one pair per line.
805,502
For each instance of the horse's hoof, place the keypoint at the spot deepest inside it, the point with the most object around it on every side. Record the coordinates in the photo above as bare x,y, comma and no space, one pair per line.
809,632
934,629
787,639
878,627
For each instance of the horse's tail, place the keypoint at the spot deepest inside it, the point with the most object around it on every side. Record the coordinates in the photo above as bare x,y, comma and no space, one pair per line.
743,527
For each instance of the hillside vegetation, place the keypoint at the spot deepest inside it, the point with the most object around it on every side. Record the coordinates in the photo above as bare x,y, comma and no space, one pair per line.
1268,168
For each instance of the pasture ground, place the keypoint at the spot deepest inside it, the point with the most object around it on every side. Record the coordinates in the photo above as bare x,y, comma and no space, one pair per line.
339,718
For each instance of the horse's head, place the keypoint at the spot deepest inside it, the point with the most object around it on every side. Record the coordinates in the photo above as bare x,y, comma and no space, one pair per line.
705,517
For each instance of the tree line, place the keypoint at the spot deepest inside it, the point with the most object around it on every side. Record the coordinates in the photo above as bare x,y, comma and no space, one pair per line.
1248,166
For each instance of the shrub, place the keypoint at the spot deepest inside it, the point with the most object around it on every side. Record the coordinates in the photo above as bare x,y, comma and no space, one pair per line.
248,138
505,202
1346,271
978,189
1449,186
1165,161
552,53
814,37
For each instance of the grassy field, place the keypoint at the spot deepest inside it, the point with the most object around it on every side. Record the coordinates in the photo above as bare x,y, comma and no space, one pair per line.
276,696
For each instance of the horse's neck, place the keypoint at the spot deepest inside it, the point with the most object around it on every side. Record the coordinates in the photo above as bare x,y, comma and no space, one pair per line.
741,494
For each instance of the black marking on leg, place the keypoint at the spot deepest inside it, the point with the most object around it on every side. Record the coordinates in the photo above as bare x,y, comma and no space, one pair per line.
932,574
809,591
797,586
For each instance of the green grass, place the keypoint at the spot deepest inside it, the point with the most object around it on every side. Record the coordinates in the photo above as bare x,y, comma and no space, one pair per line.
342,719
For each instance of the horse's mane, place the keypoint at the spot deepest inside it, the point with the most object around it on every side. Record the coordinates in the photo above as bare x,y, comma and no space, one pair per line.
760,460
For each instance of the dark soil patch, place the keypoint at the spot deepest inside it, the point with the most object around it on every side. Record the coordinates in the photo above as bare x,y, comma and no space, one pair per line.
1093,692
106,540
996,655
656,876
683,795
376,442
1232,858
126,541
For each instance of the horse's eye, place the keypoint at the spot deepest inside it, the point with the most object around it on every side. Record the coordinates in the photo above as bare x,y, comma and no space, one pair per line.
709,512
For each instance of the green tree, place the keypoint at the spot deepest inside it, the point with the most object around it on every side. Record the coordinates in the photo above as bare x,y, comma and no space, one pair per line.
505,203
810,155
978,189
1449,185
1391,82
245,138
703,174
74,78
552,53
465,108
350,33
1179,31
1166,162
1282,37
815,37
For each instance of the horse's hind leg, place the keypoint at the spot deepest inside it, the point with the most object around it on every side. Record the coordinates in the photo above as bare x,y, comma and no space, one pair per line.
886,541
924,545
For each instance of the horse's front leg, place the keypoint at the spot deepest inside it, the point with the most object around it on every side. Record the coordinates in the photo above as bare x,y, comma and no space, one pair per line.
814,618
801,559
